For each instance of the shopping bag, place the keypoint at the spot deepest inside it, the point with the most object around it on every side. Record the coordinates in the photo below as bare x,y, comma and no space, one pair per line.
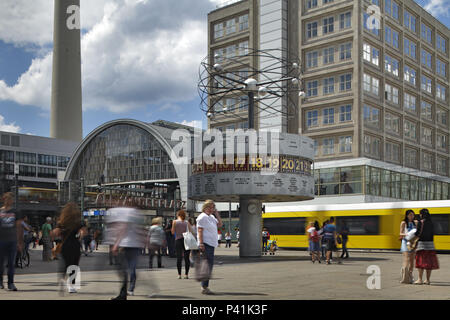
190,243
202,271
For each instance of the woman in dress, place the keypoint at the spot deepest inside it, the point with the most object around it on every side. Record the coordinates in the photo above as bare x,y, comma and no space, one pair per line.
426,258
408,255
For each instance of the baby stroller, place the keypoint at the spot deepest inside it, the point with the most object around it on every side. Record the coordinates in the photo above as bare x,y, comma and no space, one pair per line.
272,247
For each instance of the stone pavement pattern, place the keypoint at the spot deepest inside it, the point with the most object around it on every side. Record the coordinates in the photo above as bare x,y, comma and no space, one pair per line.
288,275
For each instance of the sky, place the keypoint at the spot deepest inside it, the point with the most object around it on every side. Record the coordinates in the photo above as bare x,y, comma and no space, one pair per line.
140,60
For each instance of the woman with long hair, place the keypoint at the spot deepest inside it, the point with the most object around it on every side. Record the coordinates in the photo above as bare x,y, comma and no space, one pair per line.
70,230
426,258
179,227
406,226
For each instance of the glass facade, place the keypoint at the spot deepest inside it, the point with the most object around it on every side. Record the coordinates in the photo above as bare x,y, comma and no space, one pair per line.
378,182
123,153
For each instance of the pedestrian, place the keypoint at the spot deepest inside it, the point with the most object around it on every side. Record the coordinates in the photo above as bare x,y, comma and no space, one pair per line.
407,225
34,239
170,240
11,238
127,235
70,230
314,238
87,241
322,240
179,227
329,234
194,253
265,238
219,237
228,240
237,238
97,237
155,240
426,258
344,232
207,224
47,242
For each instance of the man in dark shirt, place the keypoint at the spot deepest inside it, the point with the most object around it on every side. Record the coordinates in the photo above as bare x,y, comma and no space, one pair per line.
11,238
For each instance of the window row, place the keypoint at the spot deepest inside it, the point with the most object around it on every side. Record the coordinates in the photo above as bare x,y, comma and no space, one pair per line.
328,115
232,51
333,145
328,25
328,55
231,26
329,85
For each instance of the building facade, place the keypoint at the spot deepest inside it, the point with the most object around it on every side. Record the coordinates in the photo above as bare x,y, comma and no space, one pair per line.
376,79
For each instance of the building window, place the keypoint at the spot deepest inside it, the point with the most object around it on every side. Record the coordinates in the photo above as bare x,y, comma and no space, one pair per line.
442,116
391,65
345,113
426,33
426,58
372,146
371,84
312,88
328,146
410,103
410,130
47,160
441,44
410,75
426,84
6,155
372,28
328,85
392,152
427,161
371,54
218,30
49,173
345,82
230,26
441,92
311,59
442,168
411,157
442,141
425,110
25,157
328,116
371,116
328,25
345,144
243,103
27,171
391,36
6,140
311,30
312,118
316,147
327,1
346,51
409,21
243,48
441,68
392,123
311,4
410,48
345,20
328,55
391,93
243,22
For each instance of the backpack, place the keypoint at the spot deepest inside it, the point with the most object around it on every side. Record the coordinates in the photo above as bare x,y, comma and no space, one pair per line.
315,236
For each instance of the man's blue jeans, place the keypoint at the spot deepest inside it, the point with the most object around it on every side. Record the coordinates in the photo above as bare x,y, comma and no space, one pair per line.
128,259
209,255
8,249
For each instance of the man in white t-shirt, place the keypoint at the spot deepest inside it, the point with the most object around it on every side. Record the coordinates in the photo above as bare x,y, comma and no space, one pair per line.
207,224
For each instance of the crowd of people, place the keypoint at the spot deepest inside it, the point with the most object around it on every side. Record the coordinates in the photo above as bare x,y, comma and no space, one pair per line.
127,237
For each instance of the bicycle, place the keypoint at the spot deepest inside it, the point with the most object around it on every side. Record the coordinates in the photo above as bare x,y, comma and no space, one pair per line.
23,259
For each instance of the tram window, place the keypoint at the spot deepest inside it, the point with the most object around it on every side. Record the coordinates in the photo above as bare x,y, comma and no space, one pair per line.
285,226
362,225
441,224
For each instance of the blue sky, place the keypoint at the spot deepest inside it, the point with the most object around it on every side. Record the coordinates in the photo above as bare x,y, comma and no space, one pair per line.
137,62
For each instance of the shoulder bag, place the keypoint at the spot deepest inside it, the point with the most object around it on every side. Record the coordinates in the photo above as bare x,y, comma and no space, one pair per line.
412,244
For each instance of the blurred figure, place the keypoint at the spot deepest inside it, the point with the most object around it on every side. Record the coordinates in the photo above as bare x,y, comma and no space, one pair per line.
329,235
179,227
170,240
87,241
426,258
47,242
219,237
237,237
228,240
265,237
207,224
314,238
155,240
126,234
11,238
194,253
344,232
70,229
97,237
322,240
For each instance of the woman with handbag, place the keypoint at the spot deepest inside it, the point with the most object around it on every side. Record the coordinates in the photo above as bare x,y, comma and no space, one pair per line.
70,230
179,227
426,258
406,226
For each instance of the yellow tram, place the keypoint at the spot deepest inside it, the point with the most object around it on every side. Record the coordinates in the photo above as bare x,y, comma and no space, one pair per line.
371,225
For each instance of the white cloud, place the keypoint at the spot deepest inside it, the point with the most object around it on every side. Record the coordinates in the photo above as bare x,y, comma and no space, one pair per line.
193,123
8,127
135,53
438,7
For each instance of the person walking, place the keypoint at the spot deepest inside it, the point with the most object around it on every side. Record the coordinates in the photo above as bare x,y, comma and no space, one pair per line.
71,231
407,225
265,238
344,232
426,258
329,235
155,240
314,238
179,227
47,242
228,240
11,238
322,241
207,224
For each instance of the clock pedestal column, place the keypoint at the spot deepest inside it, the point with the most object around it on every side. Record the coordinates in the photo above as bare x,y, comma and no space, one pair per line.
250,227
